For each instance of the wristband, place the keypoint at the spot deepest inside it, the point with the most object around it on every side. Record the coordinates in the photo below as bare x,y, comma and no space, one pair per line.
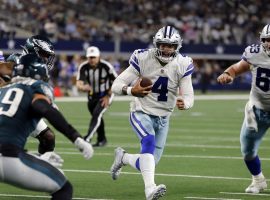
129,90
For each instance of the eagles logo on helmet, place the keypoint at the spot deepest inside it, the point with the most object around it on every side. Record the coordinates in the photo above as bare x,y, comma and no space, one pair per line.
43,47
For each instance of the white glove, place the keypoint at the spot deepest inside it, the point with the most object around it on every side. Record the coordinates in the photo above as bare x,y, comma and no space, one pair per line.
85,147
52,158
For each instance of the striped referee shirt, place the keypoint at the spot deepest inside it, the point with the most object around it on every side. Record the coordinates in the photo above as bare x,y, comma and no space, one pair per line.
99,78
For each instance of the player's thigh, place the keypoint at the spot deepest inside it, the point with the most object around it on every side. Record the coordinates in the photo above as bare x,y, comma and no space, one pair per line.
161,137
141,124
28,172
250,139
41,126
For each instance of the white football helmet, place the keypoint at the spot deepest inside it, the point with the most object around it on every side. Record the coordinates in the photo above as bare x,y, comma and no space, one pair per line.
263,35
167,35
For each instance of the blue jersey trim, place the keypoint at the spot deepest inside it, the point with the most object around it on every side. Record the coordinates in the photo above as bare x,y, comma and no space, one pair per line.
190,70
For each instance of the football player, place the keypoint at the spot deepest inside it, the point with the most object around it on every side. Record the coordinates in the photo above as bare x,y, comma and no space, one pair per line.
256,58
152,106
23,103
43,48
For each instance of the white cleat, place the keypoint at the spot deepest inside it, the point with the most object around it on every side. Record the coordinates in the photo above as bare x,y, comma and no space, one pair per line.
256,186
117,164
155,192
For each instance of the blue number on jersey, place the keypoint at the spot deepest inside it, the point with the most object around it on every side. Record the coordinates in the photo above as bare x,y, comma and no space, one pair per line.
254,48
161,87
262,79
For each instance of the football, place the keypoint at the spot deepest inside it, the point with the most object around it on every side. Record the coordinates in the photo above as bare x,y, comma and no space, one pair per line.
145,82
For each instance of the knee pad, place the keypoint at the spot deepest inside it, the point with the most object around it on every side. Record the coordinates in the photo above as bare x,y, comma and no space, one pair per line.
65,193
148,144
46,141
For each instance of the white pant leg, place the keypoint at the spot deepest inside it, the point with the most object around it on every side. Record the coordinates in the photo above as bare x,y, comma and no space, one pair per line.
29,172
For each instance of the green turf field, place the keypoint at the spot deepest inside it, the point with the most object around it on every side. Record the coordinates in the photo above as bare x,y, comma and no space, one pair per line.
202,159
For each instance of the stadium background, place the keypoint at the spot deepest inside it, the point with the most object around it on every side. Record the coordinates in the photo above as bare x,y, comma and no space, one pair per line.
202,159
215,33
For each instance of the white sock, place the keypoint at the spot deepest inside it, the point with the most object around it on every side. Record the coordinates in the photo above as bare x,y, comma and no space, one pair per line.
130,159
147,166
260,176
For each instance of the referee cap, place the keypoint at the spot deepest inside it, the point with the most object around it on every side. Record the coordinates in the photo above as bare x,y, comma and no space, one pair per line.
92,52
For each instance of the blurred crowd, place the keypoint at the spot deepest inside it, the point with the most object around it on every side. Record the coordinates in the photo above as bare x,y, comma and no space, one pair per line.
200,21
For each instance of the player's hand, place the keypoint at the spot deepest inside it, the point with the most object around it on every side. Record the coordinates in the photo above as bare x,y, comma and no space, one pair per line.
139,91
52,158
225,79
85,147
105,101
86,88
180,104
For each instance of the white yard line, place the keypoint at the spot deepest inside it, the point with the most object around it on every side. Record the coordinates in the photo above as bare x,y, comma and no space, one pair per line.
249,194
159,174
71,151
209,198
128,98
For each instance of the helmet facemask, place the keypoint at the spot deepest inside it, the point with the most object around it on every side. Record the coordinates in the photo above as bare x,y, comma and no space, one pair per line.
265,39
170,37
42,47
45,51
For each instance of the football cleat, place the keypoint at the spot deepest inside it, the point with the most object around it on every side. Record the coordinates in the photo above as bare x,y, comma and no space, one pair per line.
155,192
256,186
117,164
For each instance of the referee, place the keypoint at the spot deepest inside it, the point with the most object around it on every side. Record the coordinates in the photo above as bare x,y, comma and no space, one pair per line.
95,77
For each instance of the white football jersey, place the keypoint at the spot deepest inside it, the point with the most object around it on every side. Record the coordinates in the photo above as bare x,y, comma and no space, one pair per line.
260,69
167,80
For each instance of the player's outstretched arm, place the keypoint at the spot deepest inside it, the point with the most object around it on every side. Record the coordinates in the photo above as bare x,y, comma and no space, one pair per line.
233,71
42,108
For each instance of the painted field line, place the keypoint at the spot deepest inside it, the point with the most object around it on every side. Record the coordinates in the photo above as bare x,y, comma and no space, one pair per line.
209,198
71,152
159,174
47,197
129,98
249,194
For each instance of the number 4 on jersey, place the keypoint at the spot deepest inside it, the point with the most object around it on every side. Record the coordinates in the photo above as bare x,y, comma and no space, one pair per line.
161,87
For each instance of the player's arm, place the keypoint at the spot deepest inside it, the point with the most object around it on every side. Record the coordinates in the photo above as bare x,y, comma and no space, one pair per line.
122,84
5,72
233,71
42,107
186,100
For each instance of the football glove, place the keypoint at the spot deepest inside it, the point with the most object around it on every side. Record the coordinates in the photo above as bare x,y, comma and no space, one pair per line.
85,147
52,158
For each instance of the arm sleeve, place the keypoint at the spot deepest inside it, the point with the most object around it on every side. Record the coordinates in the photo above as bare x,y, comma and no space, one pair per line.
187,91
42,108
124,79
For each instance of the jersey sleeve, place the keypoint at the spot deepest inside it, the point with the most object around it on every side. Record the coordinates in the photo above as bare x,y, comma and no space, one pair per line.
81,76
188,66
250,52
134,60
40,87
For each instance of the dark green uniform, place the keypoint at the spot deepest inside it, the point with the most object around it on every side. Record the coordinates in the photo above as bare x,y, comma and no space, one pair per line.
16,122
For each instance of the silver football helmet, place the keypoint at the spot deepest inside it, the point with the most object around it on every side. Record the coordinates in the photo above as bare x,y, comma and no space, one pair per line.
167,35
264,35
